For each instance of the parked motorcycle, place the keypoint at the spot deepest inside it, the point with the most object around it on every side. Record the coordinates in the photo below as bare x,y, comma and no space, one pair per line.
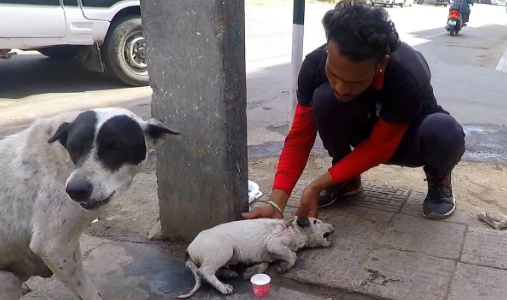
454,22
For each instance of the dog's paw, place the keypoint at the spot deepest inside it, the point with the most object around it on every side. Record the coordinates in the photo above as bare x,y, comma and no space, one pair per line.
227,289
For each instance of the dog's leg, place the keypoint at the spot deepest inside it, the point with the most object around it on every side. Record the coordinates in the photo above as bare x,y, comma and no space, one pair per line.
10,286
283,253
225,273
66,263
208,273
255,269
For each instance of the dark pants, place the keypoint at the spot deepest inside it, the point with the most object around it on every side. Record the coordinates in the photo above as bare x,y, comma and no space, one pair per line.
435,141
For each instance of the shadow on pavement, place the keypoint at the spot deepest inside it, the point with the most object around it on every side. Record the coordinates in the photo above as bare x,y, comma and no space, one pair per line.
44,75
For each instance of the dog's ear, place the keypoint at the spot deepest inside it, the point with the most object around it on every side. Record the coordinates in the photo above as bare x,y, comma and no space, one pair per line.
303,222
60,134
156,131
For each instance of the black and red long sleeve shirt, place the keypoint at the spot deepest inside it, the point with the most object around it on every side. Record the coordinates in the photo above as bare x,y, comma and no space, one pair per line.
406,95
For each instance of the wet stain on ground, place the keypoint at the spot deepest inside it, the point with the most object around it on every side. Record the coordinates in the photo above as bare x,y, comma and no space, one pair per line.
486,143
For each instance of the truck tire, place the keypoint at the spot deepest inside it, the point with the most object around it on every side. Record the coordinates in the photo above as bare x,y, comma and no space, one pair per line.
124,51
59,52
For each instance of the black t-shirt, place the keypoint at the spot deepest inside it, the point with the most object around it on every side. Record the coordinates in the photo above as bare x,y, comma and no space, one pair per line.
407,93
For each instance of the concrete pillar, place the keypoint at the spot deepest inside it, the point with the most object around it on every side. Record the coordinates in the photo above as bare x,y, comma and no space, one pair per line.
196,62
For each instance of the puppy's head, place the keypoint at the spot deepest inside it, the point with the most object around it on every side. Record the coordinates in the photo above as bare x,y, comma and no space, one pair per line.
107,147
317,232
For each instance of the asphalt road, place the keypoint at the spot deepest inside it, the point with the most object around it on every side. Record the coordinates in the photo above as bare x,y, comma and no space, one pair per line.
465,76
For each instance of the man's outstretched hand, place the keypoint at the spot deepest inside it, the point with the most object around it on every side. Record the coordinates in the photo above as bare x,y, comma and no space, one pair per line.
267,210
263,211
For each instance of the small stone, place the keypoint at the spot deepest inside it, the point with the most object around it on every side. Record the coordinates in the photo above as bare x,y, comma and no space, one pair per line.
497,221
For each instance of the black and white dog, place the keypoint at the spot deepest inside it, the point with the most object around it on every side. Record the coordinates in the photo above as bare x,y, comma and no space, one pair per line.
55,177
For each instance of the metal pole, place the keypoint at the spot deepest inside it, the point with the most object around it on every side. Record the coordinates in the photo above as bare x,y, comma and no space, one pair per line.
298,32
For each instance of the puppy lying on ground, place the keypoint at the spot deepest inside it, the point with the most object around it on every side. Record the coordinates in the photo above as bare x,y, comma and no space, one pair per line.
55,178
253,242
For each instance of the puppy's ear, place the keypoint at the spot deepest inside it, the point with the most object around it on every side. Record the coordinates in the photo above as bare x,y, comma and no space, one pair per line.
60,134
156,131
303,222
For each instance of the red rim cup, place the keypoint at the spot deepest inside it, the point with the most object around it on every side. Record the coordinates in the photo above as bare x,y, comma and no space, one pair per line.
260,284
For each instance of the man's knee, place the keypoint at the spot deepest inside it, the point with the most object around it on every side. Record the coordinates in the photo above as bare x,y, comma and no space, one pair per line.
324,103
442,133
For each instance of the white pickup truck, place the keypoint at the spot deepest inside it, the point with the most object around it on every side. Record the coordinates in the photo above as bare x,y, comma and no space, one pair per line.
106,35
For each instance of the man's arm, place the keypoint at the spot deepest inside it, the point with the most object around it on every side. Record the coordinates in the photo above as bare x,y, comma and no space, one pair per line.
296,150
299,141
292,162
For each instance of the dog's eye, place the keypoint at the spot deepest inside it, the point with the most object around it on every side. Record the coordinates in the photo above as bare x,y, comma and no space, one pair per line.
314,222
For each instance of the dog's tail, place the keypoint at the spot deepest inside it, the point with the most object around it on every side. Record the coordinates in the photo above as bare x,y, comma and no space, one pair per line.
190,265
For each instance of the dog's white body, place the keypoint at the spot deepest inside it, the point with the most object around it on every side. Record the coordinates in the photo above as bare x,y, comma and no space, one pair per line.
254,242
40,225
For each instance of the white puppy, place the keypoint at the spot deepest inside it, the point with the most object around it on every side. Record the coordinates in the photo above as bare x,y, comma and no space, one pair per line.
253,242
55,178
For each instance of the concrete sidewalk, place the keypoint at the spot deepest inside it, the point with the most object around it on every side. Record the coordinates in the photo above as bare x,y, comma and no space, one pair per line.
383,249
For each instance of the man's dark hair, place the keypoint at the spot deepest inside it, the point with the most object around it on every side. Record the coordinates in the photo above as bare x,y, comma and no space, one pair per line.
362,32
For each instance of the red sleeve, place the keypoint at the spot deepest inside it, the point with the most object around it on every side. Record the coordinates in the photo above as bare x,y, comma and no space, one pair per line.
375,150
295,152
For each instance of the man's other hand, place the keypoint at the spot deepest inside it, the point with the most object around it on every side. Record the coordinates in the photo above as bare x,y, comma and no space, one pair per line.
309,204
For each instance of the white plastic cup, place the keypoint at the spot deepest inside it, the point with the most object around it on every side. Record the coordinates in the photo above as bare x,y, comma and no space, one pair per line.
260,284
254,192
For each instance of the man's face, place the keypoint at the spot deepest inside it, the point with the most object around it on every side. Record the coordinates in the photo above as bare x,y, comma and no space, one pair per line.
349,79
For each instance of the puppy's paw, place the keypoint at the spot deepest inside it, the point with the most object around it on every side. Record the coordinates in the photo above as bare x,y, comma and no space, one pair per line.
283,268
227,274
249,273
227,289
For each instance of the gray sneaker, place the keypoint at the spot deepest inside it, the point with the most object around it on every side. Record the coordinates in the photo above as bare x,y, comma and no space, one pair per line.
440,202
349,188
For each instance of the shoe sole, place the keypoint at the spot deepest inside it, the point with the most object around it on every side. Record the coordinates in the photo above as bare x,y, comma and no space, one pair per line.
437,216
351,193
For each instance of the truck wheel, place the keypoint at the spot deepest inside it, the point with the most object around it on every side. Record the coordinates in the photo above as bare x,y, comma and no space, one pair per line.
124,51
59,52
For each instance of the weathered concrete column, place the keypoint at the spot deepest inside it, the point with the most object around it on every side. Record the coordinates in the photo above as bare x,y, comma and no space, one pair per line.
196,62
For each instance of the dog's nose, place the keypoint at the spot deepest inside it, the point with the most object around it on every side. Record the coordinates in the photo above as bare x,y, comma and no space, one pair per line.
79,190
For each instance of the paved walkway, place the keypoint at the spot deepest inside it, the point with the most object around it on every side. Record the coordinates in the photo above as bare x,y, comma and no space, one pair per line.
383,249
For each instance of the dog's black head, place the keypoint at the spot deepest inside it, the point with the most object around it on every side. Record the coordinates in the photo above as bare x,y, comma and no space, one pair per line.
107,147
